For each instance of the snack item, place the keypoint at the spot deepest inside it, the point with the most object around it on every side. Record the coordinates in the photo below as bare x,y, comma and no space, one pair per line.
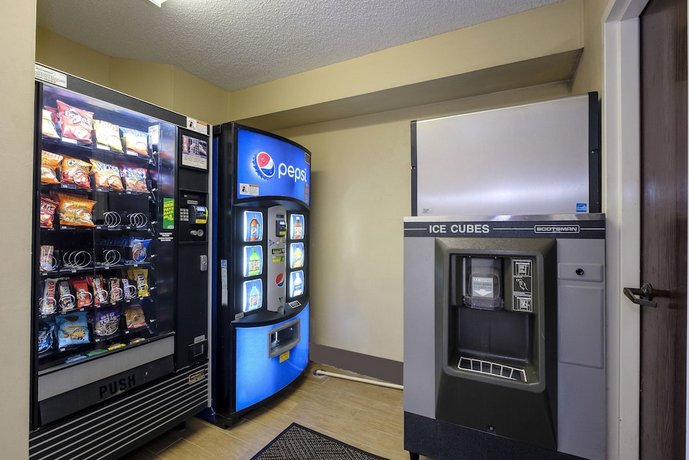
116,346
107,322
49,163
75,172
73,359
135,179
47,212
100,295
45,336
48,303
76,123
96,352
107,176
134,316
47,125
66,298
137,340
108,135
136,141
115,290
129,291
47,260
72,329
75,210
140,278
139,249
81,290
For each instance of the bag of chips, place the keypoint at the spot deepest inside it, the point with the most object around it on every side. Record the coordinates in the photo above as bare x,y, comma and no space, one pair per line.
134,316
47,124
47,215
107,322
135,141
107,176
76,123
108,135
139,249
45,336
135,179
75,210
139,277
72,329
49,163
75,172
81,291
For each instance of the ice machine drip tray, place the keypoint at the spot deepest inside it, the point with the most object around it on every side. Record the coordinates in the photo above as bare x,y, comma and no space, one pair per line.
483,367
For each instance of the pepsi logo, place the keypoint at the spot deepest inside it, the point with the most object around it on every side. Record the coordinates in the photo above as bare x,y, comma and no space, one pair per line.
280,280
264,165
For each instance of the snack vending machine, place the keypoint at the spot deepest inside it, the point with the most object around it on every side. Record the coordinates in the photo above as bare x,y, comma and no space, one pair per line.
120,298
261,277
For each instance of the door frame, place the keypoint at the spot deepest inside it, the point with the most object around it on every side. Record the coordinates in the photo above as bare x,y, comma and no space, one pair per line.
622,150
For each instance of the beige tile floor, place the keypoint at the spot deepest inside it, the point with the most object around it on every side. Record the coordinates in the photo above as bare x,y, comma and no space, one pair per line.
366,416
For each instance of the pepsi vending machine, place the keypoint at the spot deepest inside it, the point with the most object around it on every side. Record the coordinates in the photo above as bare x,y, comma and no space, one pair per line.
261,256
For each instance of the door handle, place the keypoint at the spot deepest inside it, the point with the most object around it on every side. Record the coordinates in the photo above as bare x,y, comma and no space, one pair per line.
641,296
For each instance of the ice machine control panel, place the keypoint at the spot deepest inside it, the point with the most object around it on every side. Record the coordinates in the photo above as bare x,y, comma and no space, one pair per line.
494,282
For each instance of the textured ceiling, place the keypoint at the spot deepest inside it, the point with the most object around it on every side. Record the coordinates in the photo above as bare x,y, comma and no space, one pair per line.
241,43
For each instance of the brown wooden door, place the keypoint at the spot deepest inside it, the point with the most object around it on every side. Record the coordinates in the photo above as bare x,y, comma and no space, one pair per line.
664,227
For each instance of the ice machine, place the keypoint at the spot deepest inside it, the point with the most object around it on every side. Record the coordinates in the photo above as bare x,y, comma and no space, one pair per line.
504,336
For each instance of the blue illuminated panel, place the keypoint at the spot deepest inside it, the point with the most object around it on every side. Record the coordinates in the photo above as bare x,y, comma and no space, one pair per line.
269,166
259,376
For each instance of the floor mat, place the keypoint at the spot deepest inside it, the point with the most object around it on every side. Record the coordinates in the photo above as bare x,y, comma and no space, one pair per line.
300,443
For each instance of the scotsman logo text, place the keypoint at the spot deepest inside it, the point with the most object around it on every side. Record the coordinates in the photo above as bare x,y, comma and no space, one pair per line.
265,167
556,228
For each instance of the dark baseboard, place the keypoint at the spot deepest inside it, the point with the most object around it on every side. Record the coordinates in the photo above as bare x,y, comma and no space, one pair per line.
372,366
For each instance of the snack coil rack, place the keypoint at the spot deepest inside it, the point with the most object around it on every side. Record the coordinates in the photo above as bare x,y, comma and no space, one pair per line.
98,205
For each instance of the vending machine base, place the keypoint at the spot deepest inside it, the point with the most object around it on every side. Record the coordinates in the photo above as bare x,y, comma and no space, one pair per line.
443,440
127,422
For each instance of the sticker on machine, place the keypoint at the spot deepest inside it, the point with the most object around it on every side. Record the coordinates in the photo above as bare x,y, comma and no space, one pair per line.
249,189
284,357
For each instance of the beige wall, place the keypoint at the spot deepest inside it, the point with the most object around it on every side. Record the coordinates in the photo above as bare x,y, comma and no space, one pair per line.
532,34
160,84
17,24
361,192
589,75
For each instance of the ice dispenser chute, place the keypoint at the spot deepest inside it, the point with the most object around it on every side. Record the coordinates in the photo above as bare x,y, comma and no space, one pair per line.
498,311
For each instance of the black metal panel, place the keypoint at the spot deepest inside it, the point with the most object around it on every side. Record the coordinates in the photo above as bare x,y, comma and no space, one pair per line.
191,341
444,440
264,317
74,401
595,176
126,422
